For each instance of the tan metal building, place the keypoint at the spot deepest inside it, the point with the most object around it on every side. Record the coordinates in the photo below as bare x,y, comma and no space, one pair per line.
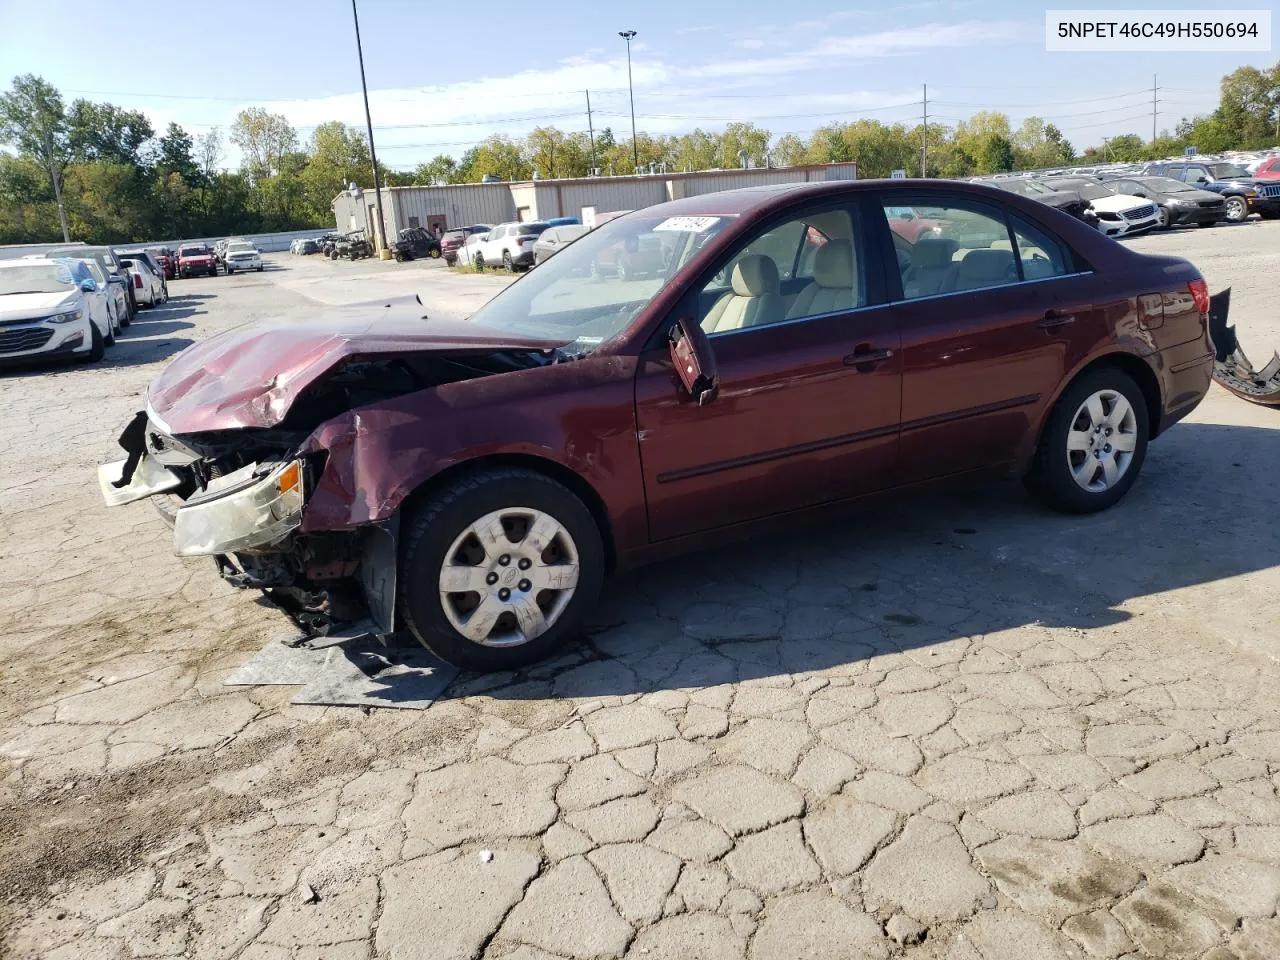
460,205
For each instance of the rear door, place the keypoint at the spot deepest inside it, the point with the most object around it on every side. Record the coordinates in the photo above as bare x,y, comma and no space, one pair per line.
810,381
993,312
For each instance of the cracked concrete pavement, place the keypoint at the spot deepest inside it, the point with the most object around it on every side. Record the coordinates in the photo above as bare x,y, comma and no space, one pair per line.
958,728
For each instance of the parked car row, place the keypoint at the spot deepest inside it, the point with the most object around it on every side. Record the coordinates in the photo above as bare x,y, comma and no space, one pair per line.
73,304
1132,198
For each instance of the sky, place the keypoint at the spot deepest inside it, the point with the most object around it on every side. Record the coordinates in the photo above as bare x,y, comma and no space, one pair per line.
443,76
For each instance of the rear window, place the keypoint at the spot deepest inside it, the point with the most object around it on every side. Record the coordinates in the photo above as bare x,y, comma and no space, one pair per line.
530,229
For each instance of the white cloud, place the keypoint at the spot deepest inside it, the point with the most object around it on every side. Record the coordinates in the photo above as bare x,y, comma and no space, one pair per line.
412,124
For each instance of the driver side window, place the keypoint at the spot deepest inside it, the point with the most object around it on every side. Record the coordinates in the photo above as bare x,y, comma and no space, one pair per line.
803,268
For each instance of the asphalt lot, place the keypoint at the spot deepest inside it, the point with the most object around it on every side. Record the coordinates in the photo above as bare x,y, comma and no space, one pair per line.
1019,735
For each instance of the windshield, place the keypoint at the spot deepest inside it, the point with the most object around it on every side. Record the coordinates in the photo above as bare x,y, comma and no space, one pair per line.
192,251
1225,171
242,248
1090,191
597,285
34,278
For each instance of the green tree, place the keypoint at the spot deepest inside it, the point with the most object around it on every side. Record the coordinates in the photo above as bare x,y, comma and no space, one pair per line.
176,154
33,119
743,136
995,154
337,155
265,138
498,156
103,131
440,169
789,151
1249,106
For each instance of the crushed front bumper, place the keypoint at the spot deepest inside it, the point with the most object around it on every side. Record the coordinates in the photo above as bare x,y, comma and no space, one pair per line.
1231,367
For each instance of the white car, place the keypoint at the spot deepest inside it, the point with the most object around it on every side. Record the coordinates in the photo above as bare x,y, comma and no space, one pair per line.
241,255
46,312
149,288
508,244
1119,214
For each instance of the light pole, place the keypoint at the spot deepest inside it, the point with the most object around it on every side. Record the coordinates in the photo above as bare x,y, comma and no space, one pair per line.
635,148
379,235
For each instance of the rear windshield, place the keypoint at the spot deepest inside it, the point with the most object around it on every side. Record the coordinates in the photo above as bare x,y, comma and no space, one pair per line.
36,278
530,229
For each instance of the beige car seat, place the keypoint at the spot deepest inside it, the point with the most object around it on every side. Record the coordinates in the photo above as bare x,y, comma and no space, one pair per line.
754,298
833,286
985,268
932,267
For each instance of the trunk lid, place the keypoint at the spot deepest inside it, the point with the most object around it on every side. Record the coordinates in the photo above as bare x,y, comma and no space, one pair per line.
249,376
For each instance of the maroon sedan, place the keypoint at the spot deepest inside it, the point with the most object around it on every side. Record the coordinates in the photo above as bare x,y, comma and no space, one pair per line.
474,481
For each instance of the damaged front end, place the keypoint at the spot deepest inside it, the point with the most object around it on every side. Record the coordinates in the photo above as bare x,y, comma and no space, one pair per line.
1231,367
240,495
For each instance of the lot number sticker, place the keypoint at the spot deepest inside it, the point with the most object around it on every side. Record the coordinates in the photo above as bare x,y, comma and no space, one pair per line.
687,224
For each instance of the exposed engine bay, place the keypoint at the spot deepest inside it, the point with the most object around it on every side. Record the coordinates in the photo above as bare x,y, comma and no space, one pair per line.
239,495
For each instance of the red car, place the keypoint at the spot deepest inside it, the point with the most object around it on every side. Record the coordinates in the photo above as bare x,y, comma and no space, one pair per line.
196,259
475,481
168,261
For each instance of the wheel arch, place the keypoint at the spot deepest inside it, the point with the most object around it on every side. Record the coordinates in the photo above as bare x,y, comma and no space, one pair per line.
1130,363
566,477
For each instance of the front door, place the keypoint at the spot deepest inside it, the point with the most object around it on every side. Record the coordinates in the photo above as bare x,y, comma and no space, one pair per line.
810,382
993,313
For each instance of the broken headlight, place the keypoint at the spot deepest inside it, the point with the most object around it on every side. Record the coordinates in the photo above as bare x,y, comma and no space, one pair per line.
255,506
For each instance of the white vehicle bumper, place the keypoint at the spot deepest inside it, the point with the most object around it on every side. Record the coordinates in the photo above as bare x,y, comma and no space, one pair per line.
37,339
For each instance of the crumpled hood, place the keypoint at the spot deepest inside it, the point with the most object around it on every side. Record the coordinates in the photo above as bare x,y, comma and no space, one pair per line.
249,376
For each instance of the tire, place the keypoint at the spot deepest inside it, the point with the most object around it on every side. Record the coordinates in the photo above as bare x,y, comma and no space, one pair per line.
1053,473
1237,210
441,523
435,253
506,261
98,347
259,268
478,263
123,322
1166,218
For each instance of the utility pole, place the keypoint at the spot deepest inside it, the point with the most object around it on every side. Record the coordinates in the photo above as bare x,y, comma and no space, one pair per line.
924,134
1154,88
591,132
635,147
379,235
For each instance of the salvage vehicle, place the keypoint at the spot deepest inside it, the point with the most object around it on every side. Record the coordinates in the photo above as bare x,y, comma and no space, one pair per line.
242,255
119,288
1180,203
474,481
196,258
1243,194
1119,215
1068,201
554,239
168,261
415,243
46,313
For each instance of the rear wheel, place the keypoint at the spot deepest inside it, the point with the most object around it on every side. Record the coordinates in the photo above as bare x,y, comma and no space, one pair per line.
506,261
500,569
478,260
1094,443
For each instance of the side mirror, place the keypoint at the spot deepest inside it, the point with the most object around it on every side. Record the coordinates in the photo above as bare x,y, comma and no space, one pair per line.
694,360
89,286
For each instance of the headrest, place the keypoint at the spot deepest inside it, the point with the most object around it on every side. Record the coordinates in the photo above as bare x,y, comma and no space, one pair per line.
754,276
986,265
933,252
833,265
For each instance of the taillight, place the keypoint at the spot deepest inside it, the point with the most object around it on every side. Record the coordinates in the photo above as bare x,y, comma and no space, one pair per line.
1200,294
137,281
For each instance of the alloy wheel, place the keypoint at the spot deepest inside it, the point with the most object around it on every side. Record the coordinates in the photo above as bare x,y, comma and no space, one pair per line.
508,577
1101,441
1236,209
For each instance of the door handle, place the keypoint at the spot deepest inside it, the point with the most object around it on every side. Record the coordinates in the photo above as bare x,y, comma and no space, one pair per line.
1055,318
865,359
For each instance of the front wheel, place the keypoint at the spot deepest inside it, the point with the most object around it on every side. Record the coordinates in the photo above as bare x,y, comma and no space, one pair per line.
500,569
1237,209
478,261
1166,218
1093,444
435,253
97,348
